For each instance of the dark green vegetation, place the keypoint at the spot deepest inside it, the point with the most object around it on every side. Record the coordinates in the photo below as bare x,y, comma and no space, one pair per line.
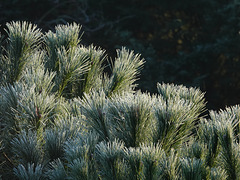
195,43
64,117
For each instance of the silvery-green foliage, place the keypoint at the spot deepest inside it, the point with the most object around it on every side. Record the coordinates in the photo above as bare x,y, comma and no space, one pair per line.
192,169
169,166
197,150
27,148
70,124
223,116
9,96
132,119
78,147
91,79
175,122
23,39
125,71
56,171
78,169
194,149
219,135
63,117
229,152
109,156
29,103
218,174
36,109
65,108
25,34
24,107
93,107
151,154
31,171
79,155
72,64
65,36
194,95
177,109
133,157
207,133
143,162
54,143
36,74
232,113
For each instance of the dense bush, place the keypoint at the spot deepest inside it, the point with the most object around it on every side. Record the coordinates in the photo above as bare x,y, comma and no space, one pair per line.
64,117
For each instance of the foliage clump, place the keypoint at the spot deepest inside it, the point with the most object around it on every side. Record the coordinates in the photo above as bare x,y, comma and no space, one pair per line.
64,117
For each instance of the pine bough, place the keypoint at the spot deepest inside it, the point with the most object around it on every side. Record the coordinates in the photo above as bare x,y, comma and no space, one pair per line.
64,117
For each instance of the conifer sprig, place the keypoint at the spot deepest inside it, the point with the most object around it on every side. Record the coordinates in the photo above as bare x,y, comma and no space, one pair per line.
131,116
66,36
56,171
23,39
125,72
63,117
31,171
27,148
93,107
72,64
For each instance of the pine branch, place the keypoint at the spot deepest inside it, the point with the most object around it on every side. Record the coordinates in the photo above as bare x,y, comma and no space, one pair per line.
72,64
93,108
56,171
132,118
27,148
125,71
66,36
109,156
191,168
31,171
23,38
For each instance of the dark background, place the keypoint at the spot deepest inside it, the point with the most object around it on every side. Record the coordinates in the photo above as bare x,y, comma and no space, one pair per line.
194,43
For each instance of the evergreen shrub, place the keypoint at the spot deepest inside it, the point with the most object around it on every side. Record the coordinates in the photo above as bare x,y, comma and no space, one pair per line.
63,116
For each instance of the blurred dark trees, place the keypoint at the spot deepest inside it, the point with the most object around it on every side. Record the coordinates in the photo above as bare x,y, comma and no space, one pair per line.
195,43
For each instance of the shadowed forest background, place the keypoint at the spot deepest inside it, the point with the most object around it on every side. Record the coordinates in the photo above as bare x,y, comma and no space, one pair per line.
195,43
